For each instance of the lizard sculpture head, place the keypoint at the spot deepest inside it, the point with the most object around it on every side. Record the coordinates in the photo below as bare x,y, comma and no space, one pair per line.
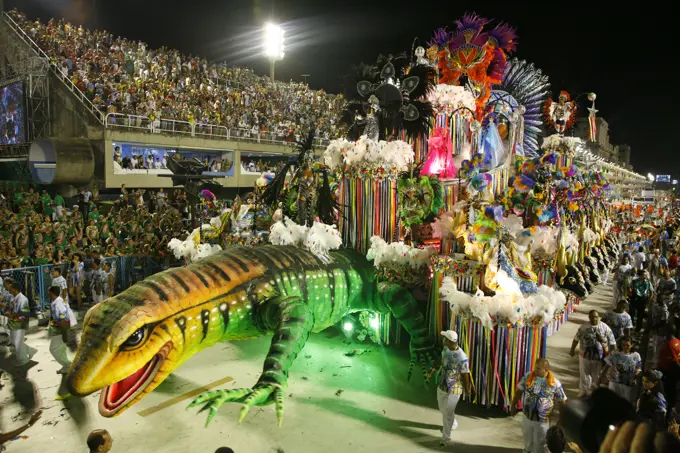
131,342
126,352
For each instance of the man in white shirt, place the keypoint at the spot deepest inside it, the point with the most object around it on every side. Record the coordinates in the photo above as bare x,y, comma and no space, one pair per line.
59,329
455,380
639,259
18,314
595,339
60,281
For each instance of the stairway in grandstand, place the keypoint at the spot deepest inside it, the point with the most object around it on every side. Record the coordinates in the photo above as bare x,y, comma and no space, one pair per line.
20,48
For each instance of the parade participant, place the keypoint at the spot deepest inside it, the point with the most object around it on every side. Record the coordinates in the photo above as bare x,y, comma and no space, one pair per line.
657,265
651,406
625,366
99,441
622,280
60,281
596,340
540,391
619,320
59,329
666,287
639,259
641,294
18,313
455,380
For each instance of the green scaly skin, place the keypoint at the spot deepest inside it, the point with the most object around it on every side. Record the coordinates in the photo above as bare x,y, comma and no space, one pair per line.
133,341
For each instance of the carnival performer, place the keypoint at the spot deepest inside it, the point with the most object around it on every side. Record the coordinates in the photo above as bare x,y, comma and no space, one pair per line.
540,391
625,366
657,265
596,340
76,279
641,293
622,280
455,380
651,406
59,328
561,112
619,320
18,313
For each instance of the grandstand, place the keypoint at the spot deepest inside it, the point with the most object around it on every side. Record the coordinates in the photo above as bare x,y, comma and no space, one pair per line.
83,106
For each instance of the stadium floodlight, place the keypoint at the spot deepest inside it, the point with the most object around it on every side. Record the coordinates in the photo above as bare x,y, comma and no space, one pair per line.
650,177
273,46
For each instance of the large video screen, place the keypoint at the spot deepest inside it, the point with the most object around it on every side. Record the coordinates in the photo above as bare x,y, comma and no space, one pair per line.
12,114
663,178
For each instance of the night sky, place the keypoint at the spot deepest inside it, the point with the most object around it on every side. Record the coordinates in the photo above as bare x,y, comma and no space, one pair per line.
622,53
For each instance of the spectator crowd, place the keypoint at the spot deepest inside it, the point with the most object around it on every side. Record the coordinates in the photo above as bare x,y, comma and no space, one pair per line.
38,229
123,76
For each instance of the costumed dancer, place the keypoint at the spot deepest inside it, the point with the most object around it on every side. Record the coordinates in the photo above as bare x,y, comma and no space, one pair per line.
625,365
622,280
561,112
540,392
455,380
306,194
60,325
18,313
595,339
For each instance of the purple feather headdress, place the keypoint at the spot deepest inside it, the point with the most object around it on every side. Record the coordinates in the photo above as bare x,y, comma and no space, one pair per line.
440,39
504,37
471,22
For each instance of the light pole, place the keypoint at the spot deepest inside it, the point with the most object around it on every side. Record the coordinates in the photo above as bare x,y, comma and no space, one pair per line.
305,77
273,46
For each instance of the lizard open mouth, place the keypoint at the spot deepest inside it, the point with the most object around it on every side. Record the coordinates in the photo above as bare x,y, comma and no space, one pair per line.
117,395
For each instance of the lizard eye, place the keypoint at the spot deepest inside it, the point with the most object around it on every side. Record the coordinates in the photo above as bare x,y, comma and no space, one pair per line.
135,339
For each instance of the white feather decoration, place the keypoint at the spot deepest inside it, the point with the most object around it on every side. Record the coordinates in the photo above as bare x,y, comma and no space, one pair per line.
398,253
367,153
322,238
504,308
451,97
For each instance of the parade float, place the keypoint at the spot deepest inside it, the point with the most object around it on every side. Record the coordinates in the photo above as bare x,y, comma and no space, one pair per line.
442,208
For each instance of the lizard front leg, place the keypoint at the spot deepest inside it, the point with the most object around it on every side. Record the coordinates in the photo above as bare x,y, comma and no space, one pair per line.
405,308
292,321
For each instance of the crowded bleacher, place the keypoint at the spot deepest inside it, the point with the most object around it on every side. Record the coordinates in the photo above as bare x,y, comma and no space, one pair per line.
126,77
39,230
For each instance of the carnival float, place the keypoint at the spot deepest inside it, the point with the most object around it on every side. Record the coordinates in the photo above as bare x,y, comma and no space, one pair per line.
445,184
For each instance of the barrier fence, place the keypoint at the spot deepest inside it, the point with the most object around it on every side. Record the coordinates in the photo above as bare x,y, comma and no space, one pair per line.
35,281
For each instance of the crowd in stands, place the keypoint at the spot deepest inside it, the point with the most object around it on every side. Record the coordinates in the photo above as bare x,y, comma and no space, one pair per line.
123,76
253,165
38,229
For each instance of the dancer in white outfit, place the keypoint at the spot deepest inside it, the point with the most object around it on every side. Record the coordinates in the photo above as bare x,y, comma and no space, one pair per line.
455,380
595,339
18,314
540,391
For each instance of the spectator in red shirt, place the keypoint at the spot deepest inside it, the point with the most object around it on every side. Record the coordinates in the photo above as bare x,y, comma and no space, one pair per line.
669,364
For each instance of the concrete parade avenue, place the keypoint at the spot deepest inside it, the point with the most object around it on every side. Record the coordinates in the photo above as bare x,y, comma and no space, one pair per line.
334,402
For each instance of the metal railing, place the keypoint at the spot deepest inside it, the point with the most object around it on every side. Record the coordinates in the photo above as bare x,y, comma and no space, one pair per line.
60,75
175,127
35,281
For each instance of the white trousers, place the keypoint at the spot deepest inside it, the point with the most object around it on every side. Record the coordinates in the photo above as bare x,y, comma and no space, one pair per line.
58,350
534,436
624,391
447,406
590,372
605,276
58,213
96,298
22,351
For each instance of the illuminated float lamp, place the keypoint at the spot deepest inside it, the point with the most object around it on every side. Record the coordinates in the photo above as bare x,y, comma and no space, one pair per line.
347,326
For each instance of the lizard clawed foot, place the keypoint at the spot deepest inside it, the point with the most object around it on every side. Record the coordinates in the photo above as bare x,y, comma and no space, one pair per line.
260,395
425,357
